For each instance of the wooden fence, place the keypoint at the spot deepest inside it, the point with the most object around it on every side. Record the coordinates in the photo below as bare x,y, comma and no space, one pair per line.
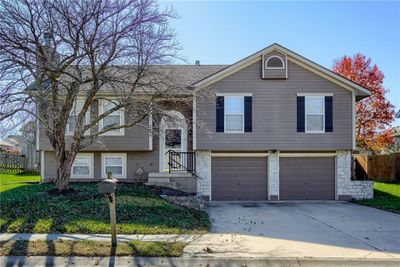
378,167
11,162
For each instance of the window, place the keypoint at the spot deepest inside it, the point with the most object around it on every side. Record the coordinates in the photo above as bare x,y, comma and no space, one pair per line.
315,114
234,114
73,116
274,62
82,166
114,163
116,118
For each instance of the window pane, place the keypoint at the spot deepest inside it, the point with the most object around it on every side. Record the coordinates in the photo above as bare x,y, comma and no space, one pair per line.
111,120
233,105
173,138
114,161
78,105
82,160
314,105
80,170
71,123
315,122
107,105
234,122
115,170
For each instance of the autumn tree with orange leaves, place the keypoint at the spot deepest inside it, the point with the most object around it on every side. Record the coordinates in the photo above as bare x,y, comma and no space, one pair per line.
374,113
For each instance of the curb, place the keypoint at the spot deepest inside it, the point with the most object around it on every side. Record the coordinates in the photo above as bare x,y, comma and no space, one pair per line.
192,262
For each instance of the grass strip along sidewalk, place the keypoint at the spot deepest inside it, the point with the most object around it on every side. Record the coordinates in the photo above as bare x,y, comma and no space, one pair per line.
85,248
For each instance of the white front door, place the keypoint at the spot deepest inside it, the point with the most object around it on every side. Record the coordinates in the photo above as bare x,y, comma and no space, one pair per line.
173,136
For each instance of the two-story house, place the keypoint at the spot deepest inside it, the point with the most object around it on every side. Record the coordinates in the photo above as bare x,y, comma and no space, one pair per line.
281,128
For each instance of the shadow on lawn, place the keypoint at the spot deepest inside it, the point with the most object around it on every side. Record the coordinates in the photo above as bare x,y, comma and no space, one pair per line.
29,209
383,200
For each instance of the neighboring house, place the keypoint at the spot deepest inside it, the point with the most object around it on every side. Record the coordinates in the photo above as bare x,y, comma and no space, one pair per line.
12,143
6,146
282,128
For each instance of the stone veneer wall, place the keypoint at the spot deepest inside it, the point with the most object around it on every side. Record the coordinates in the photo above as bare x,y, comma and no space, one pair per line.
273,176
203,170
347,187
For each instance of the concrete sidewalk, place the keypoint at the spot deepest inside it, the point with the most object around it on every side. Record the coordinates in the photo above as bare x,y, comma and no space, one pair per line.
191,262
98,237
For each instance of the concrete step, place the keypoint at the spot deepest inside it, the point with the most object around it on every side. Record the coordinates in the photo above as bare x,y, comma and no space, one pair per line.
172,185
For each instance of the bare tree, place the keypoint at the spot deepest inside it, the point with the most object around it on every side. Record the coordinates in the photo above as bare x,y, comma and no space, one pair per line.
55,52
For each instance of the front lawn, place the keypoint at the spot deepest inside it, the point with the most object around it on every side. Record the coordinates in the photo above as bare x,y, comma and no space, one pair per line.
84,248
27,208
386,197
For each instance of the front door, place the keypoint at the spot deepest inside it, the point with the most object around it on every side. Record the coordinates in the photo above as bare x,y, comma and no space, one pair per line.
173,141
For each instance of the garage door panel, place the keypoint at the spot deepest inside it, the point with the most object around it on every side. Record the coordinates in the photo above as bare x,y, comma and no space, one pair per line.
307,178
239,178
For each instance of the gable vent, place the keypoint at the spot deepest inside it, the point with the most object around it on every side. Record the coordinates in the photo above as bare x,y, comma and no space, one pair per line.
274,63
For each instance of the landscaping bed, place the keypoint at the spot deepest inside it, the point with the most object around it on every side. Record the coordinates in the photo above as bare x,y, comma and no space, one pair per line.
386,197
84,248
26,207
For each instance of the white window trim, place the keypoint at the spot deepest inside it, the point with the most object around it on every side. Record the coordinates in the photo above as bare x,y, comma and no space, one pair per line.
87,119
274,68
121,121
314,94
242,113
103,165
323,113
91,167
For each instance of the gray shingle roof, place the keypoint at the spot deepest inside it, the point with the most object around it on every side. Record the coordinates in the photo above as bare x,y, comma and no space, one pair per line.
189,74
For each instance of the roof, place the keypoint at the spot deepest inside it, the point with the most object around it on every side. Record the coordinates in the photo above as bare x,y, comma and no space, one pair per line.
190,74
183,74
197,76
5,144
292,56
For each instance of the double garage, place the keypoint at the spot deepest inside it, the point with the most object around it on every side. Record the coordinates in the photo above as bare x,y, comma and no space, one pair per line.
245,178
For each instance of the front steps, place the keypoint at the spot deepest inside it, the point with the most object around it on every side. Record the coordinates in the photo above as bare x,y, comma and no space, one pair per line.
183,181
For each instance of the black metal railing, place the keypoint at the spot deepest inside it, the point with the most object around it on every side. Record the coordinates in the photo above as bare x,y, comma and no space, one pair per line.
181,161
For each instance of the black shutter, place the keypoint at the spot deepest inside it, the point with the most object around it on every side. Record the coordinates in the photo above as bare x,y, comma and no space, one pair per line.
220,114
248,114
300,114
328,114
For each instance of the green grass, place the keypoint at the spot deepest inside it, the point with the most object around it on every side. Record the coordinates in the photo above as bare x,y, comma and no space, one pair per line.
386,197
68,248
27,208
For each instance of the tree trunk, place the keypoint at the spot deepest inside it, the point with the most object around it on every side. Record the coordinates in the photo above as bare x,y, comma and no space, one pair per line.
63,172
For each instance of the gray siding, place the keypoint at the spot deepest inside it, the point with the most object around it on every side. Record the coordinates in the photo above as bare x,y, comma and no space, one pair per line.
148,161
135,138
274,113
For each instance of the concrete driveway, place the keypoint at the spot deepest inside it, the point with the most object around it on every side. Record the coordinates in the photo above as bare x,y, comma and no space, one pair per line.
299,229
